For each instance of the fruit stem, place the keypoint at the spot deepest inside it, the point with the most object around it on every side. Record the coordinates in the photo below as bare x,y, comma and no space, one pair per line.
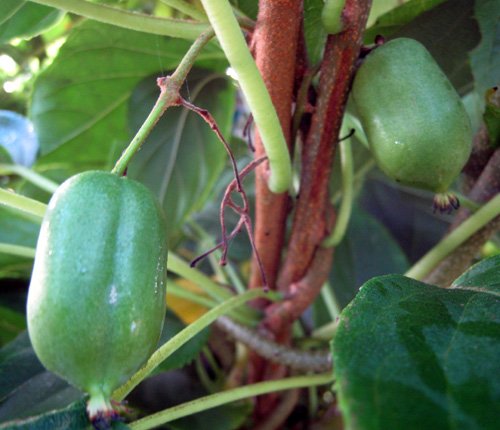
100,410
186,334
167,98
229,396
250,80
484,215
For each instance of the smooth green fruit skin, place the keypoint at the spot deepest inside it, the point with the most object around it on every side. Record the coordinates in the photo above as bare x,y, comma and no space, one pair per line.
96,302
415,122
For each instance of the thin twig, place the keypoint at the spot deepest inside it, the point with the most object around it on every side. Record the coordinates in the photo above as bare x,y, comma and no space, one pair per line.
207,116
318,361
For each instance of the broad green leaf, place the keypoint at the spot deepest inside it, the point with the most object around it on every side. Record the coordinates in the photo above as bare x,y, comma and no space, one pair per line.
392,20
492,115
80,102
314,33
182,158
187,352
17,231
381,7
74,417
248,7
482,276
227,417
12,323
28,389
409,355
359,257
22,19
485,59
449,31
446,28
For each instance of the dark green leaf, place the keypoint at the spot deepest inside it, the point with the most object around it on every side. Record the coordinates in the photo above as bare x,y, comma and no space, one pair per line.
409,355
187,352
437,30
492,115
20,19
17,231
314,33
182,157
227,417
483,275
172,388
249,7
391,21
368,250
28,389
74,418
12,323
485,59
80,102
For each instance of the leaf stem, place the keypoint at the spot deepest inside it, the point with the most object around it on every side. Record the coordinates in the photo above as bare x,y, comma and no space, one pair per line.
20,251
35,178
187,8
235,47
484,215
183,336
131,20
229,396
22,204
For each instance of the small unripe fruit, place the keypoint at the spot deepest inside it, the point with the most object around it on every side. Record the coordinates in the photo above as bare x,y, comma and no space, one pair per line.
96,302
415,122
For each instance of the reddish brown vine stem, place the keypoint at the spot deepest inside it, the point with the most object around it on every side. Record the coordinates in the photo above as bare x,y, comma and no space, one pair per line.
337,70
275,45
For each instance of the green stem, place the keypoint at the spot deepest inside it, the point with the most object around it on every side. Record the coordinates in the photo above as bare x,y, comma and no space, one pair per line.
465,230
181,268
330,301
326,332
229,396
235,47
131,20
331,16
247,317
164,100
22,204
35,178
178,291
183,336
466,202
345,210
20,251
187,9
169,96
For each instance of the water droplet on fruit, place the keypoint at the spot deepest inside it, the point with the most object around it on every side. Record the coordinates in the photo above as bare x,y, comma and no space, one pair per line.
113,295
